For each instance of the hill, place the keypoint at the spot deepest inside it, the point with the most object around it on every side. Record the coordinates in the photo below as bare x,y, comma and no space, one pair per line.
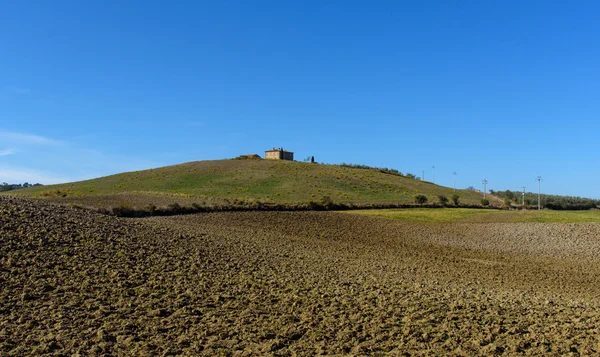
244,181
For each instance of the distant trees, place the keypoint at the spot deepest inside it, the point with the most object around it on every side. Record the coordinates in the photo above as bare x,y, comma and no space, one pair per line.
571,206
421,199
509,194
554,202
9,187
384,170
443,200
247,157
456,199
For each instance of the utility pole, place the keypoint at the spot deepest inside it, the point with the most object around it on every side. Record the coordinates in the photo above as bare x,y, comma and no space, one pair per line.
433,180
454,173
523,195
485,181
423,177
539,179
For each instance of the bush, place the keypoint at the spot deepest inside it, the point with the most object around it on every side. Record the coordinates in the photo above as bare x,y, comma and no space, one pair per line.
326,201
443,200
485,202
151,209
316,206
247,157
123,210
570,207
456,199
421,199
384,170
174,208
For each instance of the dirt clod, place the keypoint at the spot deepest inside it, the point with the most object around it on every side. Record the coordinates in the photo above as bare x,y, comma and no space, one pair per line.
292,283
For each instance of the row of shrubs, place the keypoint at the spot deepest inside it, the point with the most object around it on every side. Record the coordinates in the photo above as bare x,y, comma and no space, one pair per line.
444,201
571,207
325,204
384,170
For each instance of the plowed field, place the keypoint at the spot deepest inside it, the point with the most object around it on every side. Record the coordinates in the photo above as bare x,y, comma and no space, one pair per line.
292,283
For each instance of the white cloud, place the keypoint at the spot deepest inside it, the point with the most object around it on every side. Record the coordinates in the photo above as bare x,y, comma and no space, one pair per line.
7,152
26,138
91,163
12,174
47,161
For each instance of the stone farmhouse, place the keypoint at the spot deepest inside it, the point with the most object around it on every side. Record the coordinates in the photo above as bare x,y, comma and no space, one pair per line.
279,154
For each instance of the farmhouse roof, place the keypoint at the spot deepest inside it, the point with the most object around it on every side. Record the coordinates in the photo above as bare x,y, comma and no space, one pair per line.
279,149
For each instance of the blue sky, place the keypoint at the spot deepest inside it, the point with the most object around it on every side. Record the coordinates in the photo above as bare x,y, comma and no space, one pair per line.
503,90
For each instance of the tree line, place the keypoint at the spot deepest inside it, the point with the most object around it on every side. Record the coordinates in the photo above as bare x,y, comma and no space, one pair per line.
384,170
15,186
555,202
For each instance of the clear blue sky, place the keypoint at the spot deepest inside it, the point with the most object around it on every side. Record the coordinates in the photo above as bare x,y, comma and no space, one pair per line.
503,90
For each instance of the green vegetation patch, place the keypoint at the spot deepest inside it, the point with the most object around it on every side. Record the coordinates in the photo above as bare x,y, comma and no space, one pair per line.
548,216
435,215
447,215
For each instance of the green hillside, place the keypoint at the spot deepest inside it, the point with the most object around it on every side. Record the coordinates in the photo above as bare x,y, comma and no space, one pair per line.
219,181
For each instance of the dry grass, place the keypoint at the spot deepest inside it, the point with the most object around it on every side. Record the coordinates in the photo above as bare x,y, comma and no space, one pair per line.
292,283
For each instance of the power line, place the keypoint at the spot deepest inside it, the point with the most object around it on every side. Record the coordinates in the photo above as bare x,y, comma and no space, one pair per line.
485,181
539,179
454,173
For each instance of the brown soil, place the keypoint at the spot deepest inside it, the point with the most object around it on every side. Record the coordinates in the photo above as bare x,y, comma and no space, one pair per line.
292,283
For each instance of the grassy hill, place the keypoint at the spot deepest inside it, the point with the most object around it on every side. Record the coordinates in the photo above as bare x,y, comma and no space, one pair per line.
234,181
